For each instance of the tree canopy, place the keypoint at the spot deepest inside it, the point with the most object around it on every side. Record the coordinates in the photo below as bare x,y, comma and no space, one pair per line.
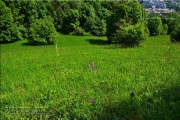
9,32
82,17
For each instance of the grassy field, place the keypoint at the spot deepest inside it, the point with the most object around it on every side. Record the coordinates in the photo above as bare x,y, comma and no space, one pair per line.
85,78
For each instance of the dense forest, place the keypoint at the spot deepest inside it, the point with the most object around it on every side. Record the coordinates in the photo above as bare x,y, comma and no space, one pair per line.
41,21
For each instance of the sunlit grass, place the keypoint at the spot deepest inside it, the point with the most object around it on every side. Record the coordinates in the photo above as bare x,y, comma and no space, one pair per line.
124,83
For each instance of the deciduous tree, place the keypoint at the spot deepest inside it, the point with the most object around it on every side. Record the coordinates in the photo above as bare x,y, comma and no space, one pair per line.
9,32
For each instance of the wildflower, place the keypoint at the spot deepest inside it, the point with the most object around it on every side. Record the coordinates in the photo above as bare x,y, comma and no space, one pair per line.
91,100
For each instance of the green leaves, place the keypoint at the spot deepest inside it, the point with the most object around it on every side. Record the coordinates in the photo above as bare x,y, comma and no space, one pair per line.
42,32
175,36
70,22
125,25
9,32
88,17
129,35
155,25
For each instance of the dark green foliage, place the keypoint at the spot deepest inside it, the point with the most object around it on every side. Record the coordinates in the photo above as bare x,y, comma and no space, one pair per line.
29,10
9,32
100,11
84,12
43,8
69,16
59,12
99,28
146,31
93,17
111,27
26,12
42,32
109,5
135,13
175,35
155,25
70,22
95,26
74,4
129,35
172,20
80,32
124,27
97,18
128,11
15,7
164,29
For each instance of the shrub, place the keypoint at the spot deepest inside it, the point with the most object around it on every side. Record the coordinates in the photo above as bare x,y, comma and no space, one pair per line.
155,25
124,12
164,30
175,35
130,35
173,22
42,32
146,32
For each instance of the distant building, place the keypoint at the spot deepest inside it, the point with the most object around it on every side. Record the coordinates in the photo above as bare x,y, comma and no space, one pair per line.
148,5
157,6
161,5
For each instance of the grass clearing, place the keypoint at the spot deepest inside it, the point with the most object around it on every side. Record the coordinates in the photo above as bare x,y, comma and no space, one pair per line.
84,78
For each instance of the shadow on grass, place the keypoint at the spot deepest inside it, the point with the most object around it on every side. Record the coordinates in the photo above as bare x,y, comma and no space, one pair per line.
29,44
97,41
26,44
112,45
161,105
7,42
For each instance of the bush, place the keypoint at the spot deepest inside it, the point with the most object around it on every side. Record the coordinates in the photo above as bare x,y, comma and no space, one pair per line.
146,32
155,25
175,35
130,35
164,30
124,12
42,32
173,22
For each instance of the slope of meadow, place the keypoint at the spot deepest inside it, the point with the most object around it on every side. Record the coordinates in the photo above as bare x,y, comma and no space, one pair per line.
85,78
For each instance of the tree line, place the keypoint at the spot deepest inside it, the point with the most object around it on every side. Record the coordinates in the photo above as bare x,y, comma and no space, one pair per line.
41,21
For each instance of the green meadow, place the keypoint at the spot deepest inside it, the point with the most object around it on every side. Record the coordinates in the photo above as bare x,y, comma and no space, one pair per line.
84,78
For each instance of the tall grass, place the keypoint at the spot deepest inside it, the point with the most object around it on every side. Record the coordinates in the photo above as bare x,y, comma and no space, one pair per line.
85,78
